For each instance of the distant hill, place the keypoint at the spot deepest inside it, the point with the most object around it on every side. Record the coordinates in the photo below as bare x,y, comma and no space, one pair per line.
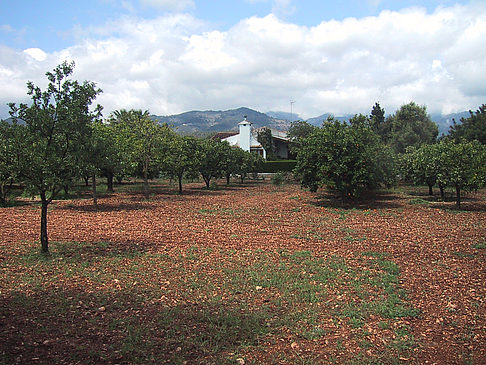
317,121
216,121
11,120
445,121
284,115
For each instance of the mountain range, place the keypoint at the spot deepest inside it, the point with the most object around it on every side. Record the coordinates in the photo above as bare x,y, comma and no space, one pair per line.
218,121
227,120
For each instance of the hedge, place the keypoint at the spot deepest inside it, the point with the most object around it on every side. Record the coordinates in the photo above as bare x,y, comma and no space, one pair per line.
278,166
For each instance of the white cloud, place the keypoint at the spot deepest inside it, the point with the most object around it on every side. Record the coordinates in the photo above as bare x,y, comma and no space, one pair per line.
36,53
177,63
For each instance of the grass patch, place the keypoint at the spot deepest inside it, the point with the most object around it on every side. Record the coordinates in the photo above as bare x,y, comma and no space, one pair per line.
418,201
463,255
201,305
479,246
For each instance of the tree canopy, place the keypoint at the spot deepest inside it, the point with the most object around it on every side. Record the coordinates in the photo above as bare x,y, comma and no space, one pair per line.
57,128
11,145
411,126
348,158
142,139
182,158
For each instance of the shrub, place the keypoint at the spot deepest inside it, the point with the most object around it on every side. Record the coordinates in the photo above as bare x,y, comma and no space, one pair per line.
278,166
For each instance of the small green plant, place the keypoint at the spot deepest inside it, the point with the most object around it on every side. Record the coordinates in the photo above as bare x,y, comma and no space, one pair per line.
463,255
479,246
384,325
278,179
418,201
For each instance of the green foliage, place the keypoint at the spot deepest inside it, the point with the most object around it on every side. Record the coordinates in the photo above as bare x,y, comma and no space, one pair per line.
411,126
181,159
377,118
422,165
278,166
242,163
381,126
144,141
57,129
111,156
297,131
472,128
278,179
462,166
265,138
347,158
250,163
212,159
11,136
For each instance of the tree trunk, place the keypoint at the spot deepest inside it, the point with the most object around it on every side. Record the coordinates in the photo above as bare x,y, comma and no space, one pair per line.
3,195
145,182
109,182
430,190
95,195
180,184
442,193
228,176
458,197
43,234
86,180
66,190
207,179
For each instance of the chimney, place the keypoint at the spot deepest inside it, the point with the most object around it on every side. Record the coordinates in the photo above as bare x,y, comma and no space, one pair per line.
245,134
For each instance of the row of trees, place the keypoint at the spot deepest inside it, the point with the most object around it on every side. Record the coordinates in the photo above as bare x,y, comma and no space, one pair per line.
375,151
59,138
459,165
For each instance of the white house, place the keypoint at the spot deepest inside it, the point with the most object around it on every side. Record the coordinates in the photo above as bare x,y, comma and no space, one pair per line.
246,139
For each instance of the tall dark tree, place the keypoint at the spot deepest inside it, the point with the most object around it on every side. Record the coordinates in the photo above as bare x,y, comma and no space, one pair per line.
377,116
57,127
412,126
379,123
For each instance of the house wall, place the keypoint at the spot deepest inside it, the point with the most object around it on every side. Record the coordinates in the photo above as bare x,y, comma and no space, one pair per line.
281,148
233,140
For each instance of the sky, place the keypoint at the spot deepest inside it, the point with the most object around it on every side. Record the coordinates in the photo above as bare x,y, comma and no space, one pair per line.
172,56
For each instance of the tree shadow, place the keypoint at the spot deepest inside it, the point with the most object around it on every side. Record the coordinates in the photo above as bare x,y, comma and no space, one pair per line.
470,201
370,200
76,325
85,252
109,207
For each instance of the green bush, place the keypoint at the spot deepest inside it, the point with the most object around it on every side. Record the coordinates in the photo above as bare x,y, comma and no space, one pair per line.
278,179
278,166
